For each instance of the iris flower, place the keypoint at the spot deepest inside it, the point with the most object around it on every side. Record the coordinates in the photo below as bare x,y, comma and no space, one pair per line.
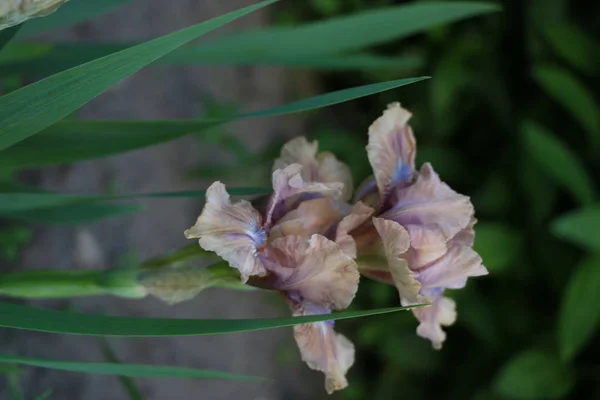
421,236
408,229
299,245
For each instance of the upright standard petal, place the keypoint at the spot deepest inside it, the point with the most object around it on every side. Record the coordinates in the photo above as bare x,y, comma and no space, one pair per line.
430,202
442,312
392,149
290,189
321,348
323,167
233,231
315,270
395,243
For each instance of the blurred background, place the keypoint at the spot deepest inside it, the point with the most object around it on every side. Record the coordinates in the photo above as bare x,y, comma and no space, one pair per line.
510,118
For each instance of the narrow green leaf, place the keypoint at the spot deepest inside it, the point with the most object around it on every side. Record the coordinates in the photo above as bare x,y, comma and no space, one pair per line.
133,370
580,227
7,34
28,110
558,161
571,43
498,244
70,13
74,213
70,141
577,99
534,375
577,323
127,383
342,34
60,56
37,319
47,205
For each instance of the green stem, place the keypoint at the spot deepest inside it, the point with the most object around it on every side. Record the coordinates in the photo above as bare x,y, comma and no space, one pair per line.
186,253
41,284
124,282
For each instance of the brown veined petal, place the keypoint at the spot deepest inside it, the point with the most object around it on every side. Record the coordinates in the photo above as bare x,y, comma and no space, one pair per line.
442,312
453,269
358,215
233,231
323,167
391,149
323,349
429,201
396,242
315,270
290,189
311,216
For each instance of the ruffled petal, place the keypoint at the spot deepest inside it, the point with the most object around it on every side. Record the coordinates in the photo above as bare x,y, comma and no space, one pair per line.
233,231
311,216
427,244
391,149
453,269
466,236
322,349
429,201
315,270
323,167
357,216
442,312
290,189
396,242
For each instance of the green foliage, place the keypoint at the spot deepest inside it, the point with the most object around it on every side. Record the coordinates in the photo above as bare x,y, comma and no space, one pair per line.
132,370
28,110
79,140
37,319
566,90
573,45
499,245
577,321
558,162
534,375
580,227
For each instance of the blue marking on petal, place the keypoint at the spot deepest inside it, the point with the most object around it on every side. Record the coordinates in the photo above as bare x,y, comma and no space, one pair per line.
403,172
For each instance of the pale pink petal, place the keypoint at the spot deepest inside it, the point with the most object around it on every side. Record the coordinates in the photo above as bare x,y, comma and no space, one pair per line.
466,236
452,270
290,189
358,215
233,231
310,217
322,349
429,201
427,244
391,149
315,270
396,243
442,312
323,167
